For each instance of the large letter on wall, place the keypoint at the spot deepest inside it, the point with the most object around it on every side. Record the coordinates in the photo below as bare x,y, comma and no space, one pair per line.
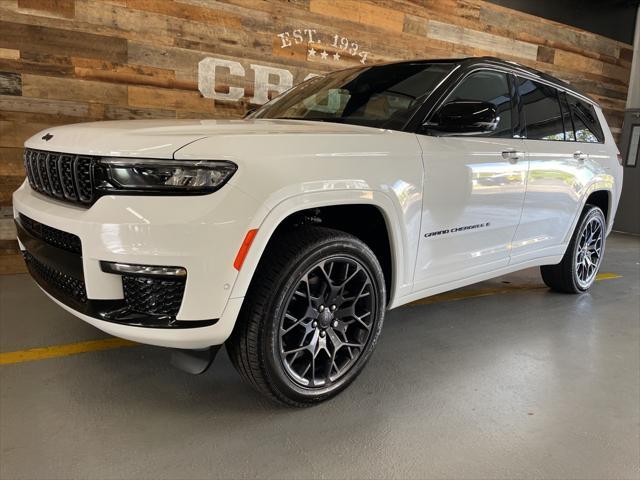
207,78
263,85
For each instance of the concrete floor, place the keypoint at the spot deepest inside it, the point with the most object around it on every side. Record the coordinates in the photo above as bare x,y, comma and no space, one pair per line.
515,385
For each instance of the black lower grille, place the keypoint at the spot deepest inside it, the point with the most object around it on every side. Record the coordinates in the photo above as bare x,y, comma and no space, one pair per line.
52,236
56,280
153,296
62,176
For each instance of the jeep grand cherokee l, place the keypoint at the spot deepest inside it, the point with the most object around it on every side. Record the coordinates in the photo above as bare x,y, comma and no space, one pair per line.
288,234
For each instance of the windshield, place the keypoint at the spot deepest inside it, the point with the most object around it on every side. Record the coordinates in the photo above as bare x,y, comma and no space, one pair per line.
384,96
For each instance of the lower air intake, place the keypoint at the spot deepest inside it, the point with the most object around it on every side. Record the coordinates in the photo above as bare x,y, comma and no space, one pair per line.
153,296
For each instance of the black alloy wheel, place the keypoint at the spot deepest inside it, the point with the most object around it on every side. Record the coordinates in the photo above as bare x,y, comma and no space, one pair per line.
311,318
327,321
578,269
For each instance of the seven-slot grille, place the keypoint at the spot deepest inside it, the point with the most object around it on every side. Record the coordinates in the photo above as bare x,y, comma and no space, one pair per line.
60,175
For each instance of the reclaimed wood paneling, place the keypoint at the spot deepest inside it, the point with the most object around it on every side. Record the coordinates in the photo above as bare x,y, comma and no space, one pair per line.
67,61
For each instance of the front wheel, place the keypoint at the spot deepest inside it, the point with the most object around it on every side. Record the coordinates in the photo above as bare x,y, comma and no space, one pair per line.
579,266
311,318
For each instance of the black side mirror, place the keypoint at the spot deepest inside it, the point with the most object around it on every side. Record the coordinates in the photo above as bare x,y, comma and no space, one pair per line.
249,112
464,117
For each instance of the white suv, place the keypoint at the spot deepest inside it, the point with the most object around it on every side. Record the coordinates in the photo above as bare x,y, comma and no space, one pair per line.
288,234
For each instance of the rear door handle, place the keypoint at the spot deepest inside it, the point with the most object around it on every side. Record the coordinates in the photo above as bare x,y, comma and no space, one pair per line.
512,155
580,156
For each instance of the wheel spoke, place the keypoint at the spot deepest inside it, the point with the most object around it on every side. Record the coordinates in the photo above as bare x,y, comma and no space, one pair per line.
296,350
295,324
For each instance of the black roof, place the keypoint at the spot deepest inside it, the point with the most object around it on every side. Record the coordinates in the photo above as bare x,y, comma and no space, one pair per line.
515,67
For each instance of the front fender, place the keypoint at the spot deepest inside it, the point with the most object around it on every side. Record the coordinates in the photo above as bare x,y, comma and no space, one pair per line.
267,220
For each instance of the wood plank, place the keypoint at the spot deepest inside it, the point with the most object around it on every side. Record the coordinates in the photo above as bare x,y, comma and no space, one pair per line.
9,53
62,42
124,22
10,83
210,16
619,73
38,65
577,62
71,89
91,69
360,12
8,185
169,98
113,112
58,8
626,54
482,40
44,105
7,229
546,54
11,163
415,25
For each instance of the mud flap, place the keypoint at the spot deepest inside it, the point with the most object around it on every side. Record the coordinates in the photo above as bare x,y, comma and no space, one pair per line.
194,362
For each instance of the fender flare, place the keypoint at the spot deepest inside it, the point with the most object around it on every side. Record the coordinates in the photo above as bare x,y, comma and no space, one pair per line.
600,183
267,220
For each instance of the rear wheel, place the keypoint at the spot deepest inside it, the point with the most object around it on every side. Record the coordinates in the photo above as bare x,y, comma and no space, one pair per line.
311,318
579,266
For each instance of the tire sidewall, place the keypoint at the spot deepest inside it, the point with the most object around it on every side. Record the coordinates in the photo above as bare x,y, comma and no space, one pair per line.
278,377
592,212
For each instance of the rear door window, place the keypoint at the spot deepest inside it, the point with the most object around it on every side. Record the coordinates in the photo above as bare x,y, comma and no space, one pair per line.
585,121
542,113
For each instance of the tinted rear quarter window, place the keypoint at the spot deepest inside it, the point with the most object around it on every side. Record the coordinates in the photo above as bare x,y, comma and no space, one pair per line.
585,121
542,113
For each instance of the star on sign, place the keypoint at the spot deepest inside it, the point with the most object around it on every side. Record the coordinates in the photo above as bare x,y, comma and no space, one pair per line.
312,52
324,55
336,56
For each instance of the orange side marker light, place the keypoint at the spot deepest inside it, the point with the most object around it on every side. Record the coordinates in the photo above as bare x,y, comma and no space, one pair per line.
244,248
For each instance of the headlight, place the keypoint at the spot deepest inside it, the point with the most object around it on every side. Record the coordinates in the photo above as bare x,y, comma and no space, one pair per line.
161,176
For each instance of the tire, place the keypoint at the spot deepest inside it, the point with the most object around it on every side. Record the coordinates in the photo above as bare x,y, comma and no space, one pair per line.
579,266
289,317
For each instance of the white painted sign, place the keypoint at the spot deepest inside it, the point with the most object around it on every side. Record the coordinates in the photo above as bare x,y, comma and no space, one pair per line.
267,78
314,41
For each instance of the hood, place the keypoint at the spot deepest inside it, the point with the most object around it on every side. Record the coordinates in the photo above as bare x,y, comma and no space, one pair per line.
162,138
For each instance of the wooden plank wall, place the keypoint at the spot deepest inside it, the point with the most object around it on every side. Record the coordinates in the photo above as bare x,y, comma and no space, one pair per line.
67,61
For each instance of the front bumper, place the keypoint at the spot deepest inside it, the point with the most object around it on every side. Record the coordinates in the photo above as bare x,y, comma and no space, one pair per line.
200,234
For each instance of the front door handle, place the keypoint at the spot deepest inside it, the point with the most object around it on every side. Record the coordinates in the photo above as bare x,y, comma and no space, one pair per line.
580,156
512,155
